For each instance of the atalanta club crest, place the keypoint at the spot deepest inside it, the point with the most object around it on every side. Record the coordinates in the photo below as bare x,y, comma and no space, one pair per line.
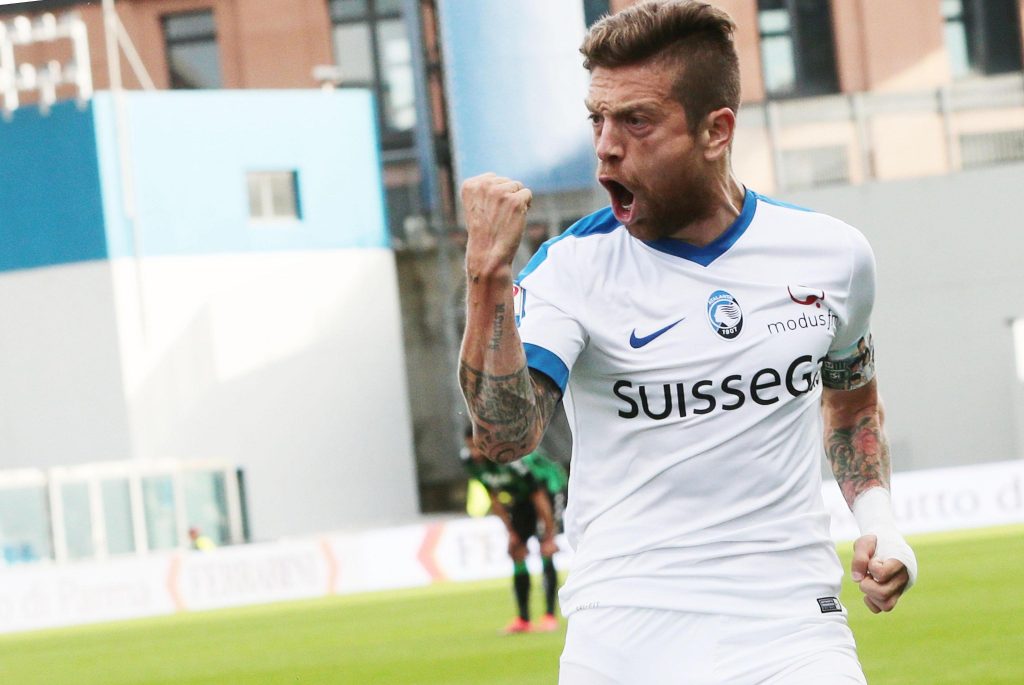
725,314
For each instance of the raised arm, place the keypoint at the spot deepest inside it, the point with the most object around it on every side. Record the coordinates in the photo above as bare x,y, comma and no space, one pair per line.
510,407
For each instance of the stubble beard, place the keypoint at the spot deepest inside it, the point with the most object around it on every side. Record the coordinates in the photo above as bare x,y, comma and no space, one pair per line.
674,212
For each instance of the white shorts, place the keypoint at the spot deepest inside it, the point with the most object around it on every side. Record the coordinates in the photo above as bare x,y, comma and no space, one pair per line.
633,646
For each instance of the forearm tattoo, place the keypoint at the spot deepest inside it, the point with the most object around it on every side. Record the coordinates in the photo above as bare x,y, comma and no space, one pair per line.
859,456
498,327
510,413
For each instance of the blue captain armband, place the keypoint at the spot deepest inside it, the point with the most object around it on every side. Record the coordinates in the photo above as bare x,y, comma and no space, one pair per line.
851,368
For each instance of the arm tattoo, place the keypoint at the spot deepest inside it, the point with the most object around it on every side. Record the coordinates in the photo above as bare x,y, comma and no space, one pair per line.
547,394
498,326
859,456
510,413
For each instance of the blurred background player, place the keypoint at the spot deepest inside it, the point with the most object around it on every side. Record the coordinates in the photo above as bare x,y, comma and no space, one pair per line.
529,497
200,542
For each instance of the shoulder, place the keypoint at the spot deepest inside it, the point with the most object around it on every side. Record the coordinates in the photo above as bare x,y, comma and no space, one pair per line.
554,253
812,228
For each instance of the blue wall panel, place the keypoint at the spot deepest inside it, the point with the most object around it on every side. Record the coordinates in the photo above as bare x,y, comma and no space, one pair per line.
516,87
50,206
190,152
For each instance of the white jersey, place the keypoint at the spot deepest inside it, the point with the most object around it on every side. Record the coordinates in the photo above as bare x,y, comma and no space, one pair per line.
692,384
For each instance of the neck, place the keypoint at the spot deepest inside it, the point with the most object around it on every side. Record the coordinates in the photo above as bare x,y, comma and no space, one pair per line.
727,195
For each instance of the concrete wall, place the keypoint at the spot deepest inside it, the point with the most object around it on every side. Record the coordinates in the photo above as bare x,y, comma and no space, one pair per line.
60,368
288,364
949,279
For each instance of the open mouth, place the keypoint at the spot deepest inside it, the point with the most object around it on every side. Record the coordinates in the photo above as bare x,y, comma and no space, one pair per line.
623,201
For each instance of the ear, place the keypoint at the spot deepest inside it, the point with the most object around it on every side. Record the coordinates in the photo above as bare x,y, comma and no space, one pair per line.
719,127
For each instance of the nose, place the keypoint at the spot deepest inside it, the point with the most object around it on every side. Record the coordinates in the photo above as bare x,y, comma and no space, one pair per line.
607,142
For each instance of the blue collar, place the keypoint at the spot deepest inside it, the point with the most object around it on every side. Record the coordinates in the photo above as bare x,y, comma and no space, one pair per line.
716,248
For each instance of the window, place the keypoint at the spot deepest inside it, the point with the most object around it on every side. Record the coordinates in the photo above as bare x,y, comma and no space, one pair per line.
24,524
77,520
206,504
273,195
982,36
797,50
60,514
161,521
372,48
117,515
192,53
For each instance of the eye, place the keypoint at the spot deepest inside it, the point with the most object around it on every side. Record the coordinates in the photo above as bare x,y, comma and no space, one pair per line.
635,121
595,118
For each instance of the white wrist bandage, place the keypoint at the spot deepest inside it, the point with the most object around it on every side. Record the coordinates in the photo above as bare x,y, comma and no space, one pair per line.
873,511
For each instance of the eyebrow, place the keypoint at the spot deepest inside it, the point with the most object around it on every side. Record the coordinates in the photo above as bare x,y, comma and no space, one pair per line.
637,105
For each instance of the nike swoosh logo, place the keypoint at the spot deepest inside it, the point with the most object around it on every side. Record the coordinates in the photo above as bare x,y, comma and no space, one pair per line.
636,343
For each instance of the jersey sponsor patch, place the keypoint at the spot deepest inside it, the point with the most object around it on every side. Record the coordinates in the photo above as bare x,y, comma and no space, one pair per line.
851,369
829,605
725,315
518,302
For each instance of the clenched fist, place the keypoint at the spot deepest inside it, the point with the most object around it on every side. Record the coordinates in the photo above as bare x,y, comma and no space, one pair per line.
495,210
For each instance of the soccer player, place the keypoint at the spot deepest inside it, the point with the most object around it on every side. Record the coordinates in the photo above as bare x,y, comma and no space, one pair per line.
524,494
700,337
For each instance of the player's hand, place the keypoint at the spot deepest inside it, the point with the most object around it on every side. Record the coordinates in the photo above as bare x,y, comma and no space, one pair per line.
882,582
548,547
495,210
513,543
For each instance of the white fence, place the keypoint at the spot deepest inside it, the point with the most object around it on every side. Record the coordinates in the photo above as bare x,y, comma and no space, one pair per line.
46,595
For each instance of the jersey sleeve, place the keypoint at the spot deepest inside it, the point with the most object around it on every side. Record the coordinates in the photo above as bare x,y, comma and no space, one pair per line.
850,362
547,307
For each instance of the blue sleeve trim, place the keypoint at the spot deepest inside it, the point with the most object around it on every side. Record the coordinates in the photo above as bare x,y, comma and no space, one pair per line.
600,222
548,363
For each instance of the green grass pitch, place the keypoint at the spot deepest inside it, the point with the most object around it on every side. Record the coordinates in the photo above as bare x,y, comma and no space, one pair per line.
962,624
